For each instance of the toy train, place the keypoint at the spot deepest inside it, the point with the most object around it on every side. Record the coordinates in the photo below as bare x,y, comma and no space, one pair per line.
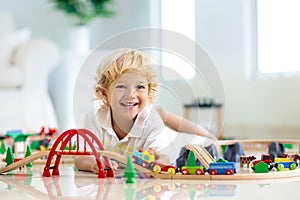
279,163
222,167
285,163
146,159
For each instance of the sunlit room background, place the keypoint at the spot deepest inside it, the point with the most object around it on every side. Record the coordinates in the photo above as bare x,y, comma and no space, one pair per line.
253,45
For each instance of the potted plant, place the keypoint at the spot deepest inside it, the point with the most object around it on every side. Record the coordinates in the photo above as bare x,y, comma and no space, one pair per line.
81,12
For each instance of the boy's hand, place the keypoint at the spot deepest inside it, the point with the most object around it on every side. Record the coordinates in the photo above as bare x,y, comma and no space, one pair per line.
95,169
159,157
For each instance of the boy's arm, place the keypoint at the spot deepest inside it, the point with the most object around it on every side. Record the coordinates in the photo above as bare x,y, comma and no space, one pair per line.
183,125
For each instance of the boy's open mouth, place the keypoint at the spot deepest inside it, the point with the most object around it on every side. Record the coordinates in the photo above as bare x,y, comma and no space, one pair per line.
129,104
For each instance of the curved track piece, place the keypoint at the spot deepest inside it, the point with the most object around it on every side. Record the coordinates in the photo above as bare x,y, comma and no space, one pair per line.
24,161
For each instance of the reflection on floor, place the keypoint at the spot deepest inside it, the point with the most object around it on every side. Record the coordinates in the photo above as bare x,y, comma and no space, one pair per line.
77,184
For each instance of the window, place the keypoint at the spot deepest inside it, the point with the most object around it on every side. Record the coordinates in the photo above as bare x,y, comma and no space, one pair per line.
179,17
278,36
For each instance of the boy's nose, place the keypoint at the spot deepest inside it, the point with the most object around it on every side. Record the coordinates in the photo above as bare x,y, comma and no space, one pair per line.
131,92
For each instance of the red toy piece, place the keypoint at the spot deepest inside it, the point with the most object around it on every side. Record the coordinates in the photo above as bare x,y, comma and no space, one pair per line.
158,167
66,139
266,158
51,132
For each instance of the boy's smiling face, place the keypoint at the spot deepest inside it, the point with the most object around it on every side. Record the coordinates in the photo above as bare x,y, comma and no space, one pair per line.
128,95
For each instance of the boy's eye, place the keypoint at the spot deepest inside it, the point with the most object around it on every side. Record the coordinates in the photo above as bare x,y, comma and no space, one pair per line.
120,86
141,87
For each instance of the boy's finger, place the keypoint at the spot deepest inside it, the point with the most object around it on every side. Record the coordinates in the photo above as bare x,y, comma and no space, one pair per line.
152,150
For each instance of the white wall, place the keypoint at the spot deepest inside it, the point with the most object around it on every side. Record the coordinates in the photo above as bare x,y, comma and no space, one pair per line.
254,108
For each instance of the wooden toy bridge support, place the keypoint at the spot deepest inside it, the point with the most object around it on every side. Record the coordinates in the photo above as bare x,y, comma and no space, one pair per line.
66,139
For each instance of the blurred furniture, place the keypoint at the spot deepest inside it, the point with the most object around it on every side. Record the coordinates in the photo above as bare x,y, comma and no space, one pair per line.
24,66
72,85
217,108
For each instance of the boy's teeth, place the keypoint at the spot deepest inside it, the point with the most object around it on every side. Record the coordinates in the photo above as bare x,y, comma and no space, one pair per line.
129,104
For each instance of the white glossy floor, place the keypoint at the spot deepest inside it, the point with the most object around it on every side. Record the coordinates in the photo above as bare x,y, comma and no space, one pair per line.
73,184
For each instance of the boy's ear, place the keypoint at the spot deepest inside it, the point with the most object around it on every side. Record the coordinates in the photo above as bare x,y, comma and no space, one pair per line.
103,93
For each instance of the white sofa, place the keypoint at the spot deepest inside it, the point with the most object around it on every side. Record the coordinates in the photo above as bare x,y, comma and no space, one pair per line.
24,66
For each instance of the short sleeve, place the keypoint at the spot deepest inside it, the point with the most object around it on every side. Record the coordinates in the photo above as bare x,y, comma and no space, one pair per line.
90,124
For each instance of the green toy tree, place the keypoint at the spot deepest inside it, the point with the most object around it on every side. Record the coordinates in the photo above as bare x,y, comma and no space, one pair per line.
71,147
74,146
129,173
28,153
191,159
9,156
2,148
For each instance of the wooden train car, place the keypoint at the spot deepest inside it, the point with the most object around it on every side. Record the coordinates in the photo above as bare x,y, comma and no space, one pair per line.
144,159
266,158
218,167
285,163
147,159
198,170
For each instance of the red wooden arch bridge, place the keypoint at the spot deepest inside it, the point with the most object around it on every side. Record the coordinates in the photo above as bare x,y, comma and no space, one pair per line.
66,139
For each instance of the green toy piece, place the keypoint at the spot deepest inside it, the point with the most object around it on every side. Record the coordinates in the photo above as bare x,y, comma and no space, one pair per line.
261,167
222,160
19,136
129,173
74,146
2,148
288,146
66,147
35,145
9,156
28,153
191,159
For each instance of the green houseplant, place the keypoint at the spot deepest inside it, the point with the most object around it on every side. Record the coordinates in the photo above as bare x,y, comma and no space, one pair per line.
84,11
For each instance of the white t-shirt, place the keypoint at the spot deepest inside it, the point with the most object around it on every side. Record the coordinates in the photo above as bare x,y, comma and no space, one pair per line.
148,131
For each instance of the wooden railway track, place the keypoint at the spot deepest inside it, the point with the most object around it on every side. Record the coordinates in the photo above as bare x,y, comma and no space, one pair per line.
199,151
24,161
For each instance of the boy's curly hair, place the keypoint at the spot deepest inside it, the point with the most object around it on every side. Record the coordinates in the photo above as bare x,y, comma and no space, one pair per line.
117,63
